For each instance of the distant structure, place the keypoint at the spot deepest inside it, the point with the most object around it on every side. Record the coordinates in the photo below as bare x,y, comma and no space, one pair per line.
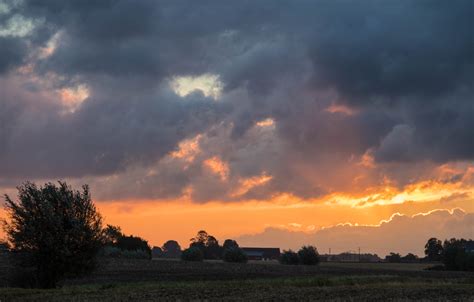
262,253
469,247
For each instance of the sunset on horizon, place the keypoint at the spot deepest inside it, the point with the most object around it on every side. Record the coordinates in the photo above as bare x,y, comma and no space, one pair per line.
344,125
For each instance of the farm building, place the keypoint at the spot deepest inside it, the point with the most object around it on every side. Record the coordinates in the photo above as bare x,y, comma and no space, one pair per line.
469,247
262,253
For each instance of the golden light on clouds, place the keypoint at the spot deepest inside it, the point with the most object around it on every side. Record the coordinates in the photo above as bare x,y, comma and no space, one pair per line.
72,97
340,109
247,184
269,122
187,149
217,166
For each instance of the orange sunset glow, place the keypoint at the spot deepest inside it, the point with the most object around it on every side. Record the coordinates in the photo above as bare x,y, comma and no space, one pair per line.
268,123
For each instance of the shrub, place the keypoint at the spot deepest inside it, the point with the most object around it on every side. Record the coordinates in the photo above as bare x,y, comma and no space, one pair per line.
308,255
110,252
289,257
192,254
115,252
235,255
137,254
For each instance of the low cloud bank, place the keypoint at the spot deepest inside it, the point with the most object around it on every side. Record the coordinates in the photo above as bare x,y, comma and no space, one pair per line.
402,234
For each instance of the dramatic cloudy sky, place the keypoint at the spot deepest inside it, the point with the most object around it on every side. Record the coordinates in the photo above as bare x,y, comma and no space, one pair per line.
236,116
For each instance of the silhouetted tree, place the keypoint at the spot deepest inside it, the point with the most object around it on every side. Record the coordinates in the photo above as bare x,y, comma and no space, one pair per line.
207,244
455,256
55,230
112,234
192,254
213,250
308,255
230,244
393,258
433,249
234,254
171,249
156,252
289,257
133,243
410,258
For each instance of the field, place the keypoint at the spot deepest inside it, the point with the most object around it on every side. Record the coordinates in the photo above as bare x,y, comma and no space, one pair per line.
143,280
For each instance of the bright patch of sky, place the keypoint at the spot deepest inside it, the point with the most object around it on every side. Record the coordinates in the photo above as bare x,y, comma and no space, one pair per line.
209,84
17,25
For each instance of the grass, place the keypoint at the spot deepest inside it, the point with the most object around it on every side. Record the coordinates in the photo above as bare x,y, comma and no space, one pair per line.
174,280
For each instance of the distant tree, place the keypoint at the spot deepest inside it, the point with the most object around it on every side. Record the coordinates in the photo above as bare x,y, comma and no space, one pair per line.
433,249
230,244
393,258
410,258
133,243
455,256
234,254
289,257
200,239
55,230
308,255
213,250
156,252
112,234
192,254
171,249
207,244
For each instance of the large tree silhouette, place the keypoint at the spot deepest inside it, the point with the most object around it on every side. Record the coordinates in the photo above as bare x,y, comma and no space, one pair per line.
433,249
55,230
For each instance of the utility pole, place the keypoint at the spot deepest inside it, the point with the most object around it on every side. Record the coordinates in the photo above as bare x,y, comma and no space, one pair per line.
359,253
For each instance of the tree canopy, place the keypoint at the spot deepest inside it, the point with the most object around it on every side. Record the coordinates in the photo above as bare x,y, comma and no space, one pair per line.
54,229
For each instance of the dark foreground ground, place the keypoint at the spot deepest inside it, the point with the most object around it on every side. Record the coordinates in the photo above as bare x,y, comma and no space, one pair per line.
140,280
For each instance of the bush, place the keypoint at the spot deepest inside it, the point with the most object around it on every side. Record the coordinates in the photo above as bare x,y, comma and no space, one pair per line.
235,255
289,257
115,252
192,254
308,255
137,254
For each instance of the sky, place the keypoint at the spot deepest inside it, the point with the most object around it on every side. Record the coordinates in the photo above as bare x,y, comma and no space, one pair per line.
279,123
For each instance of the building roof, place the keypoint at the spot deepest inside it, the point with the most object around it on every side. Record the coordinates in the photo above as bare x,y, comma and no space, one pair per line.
469,247
265,252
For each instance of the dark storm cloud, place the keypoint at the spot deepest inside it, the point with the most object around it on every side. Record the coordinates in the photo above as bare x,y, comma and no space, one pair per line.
12,52
403,69
102,137
395,48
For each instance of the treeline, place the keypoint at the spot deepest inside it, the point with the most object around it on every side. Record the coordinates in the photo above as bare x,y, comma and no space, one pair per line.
202,246
454,254
307,255
119,245
55,232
